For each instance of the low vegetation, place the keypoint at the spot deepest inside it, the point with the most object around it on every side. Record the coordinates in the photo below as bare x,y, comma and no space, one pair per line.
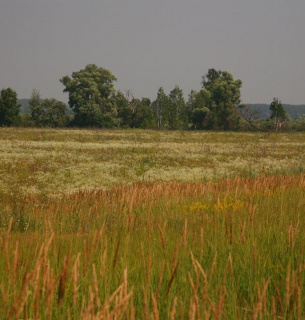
228,245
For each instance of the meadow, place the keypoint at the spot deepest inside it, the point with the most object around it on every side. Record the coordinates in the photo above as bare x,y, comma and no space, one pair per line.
135,224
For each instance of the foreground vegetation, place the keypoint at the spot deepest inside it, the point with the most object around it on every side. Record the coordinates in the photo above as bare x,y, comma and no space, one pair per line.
228,247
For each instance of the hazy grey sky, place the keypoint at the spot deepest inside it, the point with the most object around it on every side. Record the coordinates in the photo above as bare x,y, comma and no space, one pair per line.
148,44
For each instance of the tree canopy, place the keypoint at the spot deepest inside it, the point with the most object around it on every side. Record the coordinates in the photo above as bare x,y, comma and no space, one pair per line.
92,96
278,113
9,107
225,93
47,112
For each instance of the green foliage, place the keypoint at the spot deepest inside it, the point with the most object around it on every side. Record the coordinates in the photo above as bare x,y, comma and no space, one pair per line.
278,113
48,112
175,114
225,94
9,108
160,105
201,110
92,96
171,111
36,108
134,113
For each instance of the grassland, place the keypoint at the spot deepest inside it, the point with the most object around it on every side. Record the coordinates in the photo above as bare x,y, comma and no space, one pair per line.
151,225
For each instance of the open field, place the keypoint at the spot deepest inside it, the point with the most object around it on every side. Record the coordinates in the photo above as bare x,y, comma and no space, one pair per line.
41,160
167,225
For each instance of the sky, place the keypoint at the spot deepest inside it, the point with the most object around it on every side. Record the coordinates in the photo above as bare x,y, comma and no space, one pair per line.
147,44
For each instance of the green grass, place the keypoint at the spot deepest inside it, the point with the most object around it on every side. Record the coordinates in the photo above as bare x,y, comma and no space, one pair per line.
229,248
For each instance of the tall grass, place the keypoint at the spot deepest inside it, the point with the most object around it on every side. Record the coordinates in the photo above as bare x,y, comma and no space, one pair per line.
232,249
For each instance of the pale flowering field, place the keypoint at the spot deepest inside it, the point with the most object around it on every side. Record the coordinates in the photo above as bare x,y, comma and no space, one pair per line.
152,225
48,160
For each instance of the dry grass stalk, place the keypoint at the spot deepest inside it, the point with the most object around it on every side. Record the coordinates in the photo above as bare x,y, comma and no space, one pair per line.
258,308
160,281
184,233
121,306
132,314
201,243
85,260
252,216
242,227
75,275
273,309
145,305
15,262
173,310
15,309
62,281
115,258
95,285
231,228
195,298
108,303
287,288
104,263
162,235
37,294
278,298
192,311
155,307
207,313
213,266
175,255
172,279
21,305
148,267
221,303
255,258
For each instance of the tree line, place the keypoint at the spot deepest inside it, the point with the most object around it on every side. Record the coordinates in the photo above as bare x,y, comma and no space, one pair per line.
96,103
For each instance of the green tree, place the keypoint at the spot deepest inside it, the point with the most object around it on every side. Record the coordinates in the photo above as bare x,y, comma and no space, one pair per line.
278,113
201,109
36,110
54,113
92,96
175,113
145,117
47,112
9,108
159,106
134,113
225,93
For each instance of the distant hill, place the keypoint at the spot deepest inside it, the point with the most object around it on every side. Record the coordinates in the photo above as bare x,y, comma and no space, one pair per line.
294,111
25,109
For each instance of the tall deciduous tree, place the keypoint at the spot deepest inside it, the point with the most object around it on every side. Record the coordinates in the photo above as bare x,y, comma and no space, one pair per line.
9,108
175,113
278,113
201,109
35,107
92,96
160,105
225,93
